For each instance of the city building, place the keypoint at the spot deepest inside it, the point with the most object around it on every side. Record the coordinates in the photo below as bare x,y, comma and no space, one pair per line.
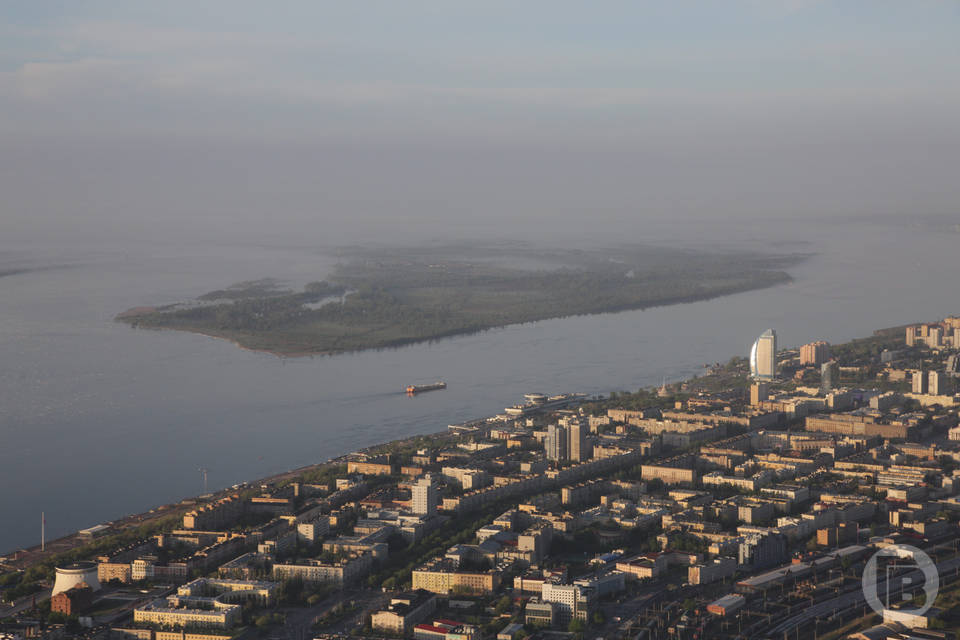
572,601
555,443
469,479
727,605
206,603
681,474
246,567
859,424
763,356
759,392
762,551
935,335
372,467
214,516
425,497
540,613
643,567
159,613
919,382
72,601
259,592
119,571
578,447
442,575
510,631
936,383
827,371
446,630
814,353
405,611
310,532
340,573
717,569
844,533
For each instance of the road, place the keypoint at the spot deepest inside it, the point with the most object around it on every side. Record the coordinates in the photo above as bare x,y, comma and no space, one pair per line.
299,621
24,603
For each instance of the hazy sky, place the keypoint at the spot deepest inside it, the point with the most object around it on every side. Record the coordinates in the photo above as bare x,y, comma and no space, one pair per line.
327,118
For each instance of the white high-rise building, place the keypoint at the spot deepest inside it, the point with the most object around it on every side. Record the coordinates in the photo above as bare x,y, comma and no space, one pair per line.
763,356
425,497
555,443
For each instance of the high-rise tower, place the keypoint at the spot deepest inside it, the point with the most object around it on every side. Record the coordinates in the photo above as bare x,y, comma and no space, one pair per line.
919,382
763,356
578,447
556,443
425,500
935,383
826,377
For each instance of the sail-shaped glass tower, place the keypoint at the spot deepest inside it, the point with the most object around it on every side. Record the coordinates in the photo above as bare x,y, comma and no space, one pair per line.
763,356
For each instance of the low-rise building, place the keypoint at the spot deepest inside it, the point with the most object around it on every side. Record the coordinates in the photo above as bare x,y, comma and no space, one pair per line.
159,613
540,613
510,631
221,514
713,571
370,467
572,601
442,629
404,611
645,566
340,573
206,603
670,475
728,604
313,530
73,600
441,575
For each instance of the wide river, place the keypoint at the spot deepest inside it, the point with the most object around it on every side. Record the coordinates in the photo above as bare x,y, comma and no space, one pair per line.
98,420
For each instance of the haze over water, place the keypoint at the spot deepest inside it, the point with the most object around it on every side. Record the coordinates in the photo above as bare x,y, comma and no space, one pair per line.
151,152
98,420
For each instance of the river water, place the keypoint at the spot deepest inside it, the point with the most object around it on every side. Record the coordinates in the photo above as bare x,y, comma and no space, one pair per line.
98,420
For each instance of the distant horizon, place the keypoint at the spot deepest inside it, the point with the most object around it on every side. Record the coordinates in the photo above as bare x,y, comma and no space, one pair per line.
459,120
666,230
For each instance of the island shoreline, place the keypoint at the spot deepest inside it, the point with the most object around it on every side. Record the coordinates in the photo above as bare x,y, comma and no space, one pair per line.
130,316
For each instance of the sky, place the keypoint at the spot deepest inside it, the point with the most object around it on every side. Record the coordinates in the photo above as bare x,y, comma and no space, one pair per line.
364,119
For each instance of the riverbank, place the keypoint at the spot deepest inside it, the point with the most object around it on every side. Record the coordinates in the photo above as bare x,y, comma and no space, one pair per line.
21,559
719,375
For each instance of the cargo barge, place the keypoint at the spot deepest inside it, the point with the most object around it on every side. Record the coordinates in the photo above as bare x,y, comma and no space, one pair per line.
414,389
